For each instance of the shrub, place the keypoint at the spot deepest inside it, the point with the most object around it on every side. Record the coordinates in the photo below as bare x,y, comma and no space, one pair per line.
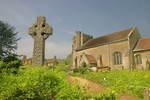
39,83
10,62
84,70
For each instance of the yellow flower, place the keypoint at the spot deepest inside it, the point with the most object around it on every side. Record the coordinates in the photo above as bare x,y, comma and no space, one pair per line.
145,76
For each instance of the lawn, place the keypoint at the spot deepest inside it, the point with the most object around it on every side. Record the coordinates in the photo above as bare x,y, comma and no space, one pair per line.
129,82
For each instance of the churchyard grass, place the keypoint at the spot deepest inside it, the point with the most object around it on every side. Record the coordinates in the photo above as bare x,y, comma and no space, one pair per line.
41,83
128,82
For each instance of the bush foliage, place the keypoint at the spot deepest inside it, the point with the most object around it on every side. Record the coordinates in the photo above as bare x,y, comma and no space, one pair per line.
39,83
10,62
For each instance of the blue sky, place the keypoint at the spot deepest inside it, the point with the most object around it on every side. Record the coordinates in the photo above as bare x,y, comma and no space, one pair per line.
96,17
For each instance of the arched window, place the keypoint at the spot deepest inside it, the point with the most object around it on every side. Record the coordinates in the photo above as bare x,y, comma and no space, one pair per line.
75,61
138,59
117,57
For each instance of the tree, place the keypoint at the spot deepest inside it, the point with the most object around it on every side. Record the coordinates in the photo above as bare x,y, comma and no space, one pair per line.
8,40
66,61
10,62
64,64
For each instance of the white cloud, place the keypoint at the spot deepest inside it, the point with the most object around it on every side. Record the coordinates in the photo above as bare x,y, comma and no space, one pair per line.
25,47
61,50
22,17
16,13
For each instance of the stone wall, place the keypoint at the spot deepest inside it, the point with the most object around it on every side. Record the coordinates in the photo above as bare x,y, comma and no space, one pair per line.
79,39
106,52
133,39
122,47
145,55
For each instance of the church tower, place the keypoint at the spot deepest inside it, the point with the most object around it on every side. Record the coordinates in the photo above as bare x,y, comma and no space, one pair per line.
79,39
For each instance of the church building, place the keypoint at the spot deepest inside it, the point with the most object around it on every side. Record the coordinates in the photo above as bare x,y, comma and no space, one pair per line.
124,49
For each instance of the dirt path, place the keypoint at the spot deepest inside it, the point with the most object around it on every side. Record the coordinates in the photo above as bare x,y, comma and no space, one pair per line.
95,88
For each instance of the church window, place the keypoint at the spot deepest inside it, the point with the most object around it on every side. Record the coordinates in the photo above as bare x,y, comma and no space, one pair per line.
75,62
117,57
99,57
138,59
80,57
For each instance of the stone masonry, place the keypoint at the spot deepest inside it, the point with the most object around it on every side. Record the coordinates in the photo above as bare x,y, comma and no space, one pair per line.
40,31
115,50
79,39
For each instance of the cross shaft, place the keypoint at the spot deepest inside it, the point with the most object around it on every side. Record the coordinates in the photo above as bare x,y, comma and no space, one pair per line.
40,31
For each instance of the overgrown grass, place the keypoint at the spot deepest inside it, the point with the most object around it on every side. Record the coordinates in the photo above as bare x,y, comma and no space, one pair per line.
130,82
41,83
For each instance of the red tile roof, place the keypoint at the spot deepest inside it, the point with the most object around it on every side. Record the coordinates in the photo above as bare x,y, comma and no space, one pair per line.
91,59
116,36
143,44
51,60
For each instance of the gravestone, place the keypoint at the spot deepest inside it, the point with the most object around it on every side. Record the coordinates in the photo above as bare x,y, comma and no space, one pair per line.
40,31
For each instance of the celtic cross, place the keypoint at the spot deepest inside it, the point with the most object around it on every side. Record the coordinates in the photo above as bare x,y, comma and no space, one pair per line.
40,31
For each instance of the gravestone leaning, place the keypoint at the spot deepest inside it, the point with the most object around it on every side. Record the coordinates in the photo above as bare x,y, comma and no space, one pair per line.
40,31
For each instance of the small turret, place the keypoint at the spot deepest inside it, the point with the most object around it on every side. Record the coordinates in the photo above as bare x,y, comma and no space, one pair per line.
79,39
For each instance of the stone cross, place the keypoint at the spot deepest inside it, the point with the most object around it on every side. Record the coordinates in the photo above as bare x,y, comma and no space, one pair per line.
40,31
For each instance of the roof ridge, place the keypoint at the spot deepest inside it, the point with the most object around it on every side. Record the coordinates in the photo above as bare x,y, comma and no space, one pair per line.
133,28
109,38
143,44
116,32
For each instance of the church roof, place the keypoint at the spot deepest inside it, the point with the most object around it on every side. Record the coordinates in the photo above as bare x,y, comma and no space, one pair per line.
91,59
143,44
116,36
51,60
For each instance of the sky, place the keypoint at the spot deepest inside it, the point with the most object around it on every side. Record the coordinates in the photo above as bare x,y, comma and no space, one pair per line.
94,17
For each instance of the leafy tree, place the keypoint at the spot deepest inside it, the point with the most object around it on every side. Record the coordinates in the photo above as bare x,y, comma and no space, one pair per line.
8,40
10,62
64,64
66,61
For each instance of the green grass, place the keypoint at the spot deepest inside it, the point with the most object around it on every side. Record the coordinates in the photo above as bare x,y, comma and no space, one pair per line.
41,83
130,82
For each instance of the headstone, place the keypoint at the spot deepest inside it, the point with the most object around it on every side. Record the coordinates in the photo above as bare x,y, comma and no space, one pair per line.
40,31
